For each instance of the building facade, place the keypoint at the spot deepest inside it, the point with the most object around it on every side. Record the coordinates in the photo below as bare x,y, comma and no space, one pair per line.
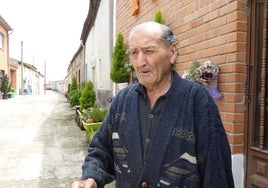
5,30
92,61
99,47
26,79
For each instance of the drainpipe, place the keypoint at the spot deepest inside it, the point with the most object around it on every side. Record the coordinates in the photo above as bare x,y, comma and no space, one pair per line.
8,64
84,60
22,83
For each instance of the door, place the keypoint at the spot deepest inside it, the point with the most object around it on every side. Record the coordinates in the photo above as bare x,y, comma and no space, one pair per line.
257,97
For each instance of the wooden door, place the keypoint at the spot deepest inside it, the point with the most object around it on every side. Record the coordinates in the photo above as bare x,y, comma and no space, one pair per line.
257,97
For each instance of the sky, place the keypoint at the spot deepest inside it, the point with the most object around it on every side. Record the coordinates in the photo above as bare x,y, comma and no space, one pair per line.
50,32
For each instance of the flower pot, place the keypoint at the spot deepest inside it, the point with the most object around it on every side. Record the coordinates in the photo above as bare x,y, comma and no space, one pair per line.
89,120
91,128
5,96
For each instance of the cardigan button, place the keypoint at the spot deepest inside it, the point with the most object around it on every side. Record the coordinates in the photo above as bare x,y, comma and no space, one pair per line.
144,184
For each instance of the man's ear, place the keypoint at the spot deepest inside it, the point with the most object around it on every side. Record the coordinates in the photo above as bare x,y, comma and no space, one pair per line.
174,52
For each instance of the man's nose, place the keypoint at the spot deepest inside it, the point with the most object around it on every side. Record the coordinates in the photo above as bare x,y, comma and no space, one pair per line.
141,60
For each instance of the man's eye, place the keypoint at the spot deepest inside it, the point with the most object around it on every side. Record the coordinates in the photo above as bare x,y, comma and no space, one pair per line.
150,51
133,52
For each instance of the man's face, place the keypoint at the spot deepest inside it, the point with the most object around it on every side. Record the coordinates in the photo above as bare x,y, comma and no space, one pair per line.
152,58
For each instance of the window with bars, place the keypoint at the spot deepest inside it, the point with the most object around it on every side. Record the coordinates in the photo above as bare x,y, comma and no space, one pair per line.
260,113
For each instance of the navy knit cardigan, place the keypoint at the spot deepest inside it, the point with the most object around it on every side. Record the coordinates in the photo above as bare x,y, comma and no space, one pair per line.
189,147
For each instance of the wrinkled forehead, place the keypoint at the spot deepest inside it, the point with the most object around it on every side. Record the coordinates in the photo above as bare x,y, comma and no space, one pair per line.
144,38
147,31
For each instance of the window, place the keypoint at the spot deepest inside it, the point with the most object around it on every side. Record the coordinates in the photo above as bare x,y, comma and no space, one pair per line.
1,40
260,120
2,73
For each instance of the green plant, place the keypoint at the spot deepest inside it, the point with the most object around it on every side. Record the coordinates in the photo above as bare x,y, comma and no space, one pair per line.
12,89
85,114
158,17
83,85
74,96
5,84
119,73
190,75
88,97
74,85
97,114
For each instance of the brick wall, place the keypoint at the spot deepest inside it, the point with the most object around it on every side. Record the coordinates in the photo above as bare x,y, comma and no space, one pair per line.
207,30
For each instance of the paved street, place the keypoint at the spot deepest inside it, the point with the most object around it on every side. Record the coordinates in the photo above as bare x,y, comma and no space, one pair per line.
40,144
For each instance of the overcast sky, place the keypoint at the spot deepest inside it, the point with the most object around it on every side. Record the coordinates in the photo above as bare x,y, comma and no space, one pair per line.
50,31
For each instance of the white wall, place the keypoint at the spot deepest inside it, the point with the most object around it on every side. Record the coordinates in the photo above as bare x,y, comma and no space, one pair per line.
32,78
99,48
238,170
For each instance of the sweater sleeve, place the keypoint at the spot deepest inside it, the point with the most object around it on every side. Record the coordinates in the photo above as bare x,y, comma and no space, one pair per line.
99,163
214,155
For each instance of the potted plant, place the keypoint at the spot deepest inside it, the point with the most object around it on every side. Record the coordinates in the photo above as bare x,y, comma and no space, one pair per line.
11,92
86,101
97,114
74,93
119,73
88,98
5,87
95,117
74,97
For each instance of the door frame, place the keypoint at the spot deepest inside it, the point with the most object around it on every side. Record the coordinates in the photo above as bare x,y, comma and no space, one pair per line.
256,173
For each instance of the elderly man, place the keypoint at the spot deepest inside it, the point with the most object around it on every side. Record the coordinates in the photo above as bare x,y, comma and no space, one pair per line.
163,131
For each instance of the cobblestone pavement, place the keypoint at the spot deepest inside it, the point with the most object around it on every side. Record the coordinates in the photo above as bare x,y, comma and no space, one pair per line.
40,144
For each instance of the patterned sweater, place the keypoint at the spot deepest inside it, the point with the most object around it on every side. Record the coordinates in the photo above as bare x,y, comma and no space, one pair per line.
189,147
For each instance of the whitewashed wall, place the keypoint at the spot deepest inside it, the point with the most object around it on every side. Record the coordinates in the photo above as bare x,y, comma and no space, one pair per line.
99,46
32,78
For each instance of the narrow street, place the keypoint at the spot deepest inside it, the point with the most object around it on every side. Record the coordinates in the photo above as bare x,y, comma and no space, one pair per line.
40,144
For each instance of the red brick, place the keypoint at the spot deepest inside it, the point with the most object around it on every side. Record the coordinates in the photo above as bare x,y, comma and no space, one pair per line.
218,22
238,148
235,138
211,16
231,108
234,98
231,128
232,68
211,34
236,57
221,40
234,118
210,52
235,78
202,45
237,16
230,7
237,37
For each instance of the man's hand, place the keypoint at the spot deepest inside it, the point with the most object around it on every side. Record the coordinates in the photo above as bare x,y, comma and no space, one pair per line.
88,183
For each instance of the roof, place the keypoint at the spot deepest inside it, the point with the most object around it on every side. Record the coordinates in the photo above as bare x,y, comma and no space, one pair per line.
32,67
89,22
4,24
91,16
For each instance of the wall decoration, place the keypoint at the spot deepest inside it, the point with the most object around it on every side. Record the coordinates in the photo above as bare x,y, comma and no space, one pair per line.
206,74
136,8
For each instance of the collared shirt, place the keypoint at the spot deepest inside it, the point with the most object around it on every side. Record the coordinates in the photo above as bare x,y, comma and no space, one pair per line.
149,117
